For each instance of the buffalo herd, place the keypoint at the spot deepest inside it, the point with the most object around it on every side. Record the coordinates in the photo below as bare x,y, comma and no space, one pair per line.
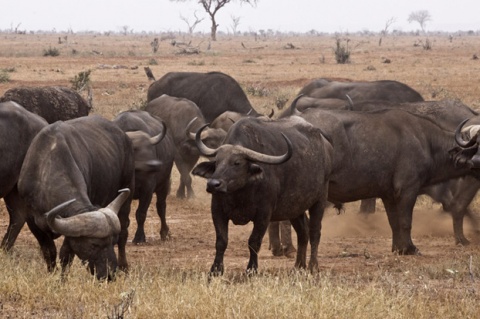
67,173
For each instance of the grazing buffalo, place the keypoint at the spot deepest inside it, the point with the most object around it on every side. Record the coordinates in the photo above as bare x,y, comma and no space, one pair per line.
390,154
213,92
84,163
18,127
249,181
53,103
159,151
177,114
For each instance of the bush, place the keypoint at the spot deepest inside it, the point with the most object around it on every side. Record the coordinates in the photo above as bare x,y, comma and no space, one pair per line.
342,52
4,76
51,52
81,80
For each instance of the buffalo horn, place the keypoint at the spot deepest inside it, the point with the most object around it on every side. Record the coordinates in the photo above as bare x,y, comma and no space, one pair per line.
96,224
293,106
189,134
204,149
157,138
350,102
269,159
458,136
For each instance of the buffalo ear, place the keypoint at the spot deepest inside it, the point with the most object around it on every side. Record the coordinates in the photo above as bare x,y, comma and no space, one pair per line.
148,166
204,169
255,172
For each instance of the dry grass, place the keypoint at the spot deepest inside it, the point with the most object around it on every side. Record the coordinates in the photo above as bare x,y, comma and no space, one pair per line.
359,277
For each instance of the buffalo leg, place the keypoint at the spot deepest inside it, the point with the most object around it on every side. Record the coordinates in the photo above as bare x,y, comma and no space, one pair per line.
274,238
141,216
399,214
123,236
301,228
184,167
66,256
315,228
161,211
220,222
16,212
286,239
367,206
47,245
255,242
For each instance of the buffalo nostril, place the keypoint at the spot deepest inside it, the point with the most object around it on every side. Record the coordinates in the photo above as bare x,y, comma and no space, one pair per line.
213,184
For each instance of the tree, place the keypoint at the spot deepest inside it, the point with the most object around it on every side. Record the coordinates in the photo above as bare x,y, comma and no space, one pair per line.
211,7
192,26
384,32
421,16
235,23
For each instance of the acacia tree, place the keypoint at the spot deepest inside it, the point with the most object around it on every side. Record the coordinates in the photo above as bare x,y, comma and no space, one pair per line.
211,7
421,16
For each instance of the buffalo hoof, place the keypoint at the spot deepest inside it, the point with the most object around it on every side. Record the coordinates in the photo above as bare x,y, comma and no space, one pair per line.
277,251
462,241
410,250
165,236
216,270
290,251
139,239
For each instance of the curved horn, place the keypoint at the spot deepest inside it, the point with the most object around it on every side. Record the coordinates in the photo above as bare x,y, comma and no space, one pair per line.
97,224
189,134
270,159
204,149
293,106
117,203
249,112
458,138
157,138
52,214
350,103
271,114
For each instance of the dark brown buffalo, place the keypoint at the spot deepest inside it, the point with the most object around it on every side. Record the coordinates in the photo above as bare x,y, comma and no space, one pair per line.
390,154
385,90
454,195
213,92
53,103
157,151
251,182
87,160
177,114
18,127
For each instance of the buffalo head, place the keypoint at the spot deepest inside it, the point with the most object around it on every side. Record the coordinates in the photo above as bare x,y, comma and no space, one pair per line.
145,156
234,166
468,139
91,235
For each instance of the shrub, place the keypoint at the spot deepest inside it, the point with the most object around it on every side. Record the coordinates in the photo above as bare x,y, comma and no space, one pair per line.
4,76
81,80
51,52
342,52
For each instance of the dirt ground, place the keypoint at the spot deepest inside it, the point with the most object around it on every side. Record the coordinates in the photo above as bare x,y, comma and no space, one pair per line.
350,243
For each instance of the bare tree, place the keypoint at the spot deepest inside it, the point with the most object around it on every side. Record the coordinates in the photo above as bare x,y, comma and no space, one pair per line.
421,16
211,7
235,23
192,26
384,32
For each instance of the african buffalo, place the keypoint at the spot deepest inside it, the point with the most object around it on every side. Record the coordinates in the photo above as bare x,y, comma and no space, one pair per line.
385,90
18,127
390,154
84,163
53,103
177,114
454,195
213,92
159,151
249,185
355,92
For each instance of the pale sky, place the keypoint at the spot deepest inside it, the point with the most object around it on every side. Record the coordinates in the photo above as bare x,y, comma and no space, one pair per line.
277,15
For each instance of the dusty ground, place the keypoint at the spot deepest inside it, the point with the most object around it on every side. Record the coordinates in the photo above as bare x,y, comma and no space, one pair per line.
350,243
